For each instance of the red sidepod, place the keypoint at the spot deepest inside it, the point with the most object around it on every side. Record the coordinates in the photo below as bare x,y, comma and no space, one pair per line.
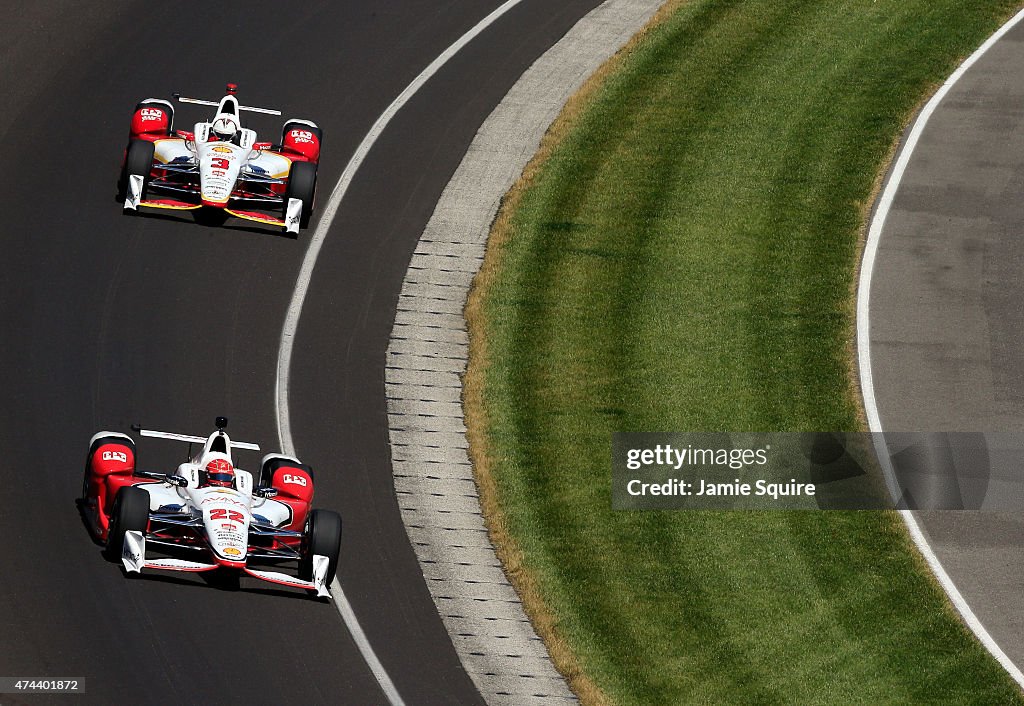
111,465
294,483
150,122
301,144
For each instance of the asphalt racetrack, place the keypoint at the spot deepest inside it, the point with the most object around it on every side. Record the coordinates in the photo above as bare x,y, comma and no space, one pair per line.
110,320
947,323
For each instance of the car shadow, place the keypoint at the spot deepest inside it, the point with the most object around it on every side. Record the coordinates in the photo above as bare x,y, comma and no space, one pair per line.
221,580
84,517
227,224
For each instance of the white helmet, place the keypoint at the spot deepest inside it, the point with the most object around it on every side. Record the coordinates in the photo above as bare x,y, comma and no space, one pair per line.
225,127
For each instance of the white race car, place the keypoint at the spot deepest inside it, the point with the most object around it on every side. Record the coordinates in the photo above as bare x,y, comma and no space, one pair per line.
209,514
219,169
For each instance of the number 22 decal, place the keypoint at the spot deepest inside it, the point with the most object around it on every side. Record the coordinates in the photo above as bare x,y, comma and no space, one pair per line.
220,513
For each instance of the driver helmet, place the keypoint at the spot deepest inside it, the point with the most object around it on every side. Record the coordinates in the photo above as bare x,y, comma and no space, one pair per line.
225,128
220,472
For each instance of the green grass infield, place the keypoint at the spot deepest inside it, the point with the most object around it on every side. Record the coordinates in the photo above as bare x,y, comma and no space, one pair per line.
684,259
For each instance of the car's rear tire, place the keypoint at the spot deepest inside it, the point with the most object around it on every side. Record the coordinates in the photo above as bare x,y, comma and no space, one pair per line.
302,186
114,438
273,461
129,514
162,105
138,161
301,125
323,537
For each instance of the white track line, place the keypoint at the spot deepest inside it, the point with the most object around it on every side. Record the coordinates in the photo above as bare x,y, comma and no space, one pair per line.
291,321
864,348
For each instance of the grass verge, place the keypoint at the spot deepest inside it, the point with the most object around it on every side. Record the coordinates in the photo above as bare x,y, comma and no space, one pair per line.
680,258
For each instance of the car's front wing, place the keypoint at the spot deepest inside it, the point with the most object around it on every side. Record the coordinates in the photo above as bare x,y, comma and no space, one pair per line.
133,556
134,200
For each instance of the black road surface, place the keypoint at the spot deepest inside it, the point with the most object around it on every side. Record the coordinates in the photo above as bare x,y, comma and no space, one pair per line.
108,320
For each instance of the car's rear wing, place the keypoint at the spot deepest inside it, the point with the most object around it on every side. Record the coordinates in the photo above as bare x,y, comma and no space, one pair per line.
216,104
191,439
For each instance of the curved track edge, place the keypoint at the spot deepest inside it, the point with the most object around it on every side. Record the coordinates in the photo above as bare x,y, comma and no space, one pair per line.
864,345
427,354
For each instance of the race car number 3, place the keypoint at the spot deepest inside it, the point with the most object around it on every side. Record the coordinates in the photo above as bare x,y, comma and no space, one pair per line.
22,685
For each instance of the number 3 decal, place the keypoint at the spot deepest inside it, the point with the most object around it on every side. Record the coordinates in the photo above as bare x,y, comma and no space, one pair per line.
219,163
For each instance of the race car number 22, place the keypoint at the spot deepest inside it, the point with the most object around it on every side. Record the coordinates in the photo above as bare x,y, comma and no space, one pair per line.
223,514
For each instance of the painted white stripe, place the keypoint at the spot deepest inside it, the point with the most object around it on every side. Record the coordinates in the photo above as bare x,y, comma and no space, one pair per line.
864,348
291,322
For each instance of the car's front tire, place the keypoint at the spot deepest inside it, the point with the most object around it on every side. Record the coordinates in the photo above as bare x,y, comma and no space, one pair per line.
323,537
302,186
138,161
129,514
